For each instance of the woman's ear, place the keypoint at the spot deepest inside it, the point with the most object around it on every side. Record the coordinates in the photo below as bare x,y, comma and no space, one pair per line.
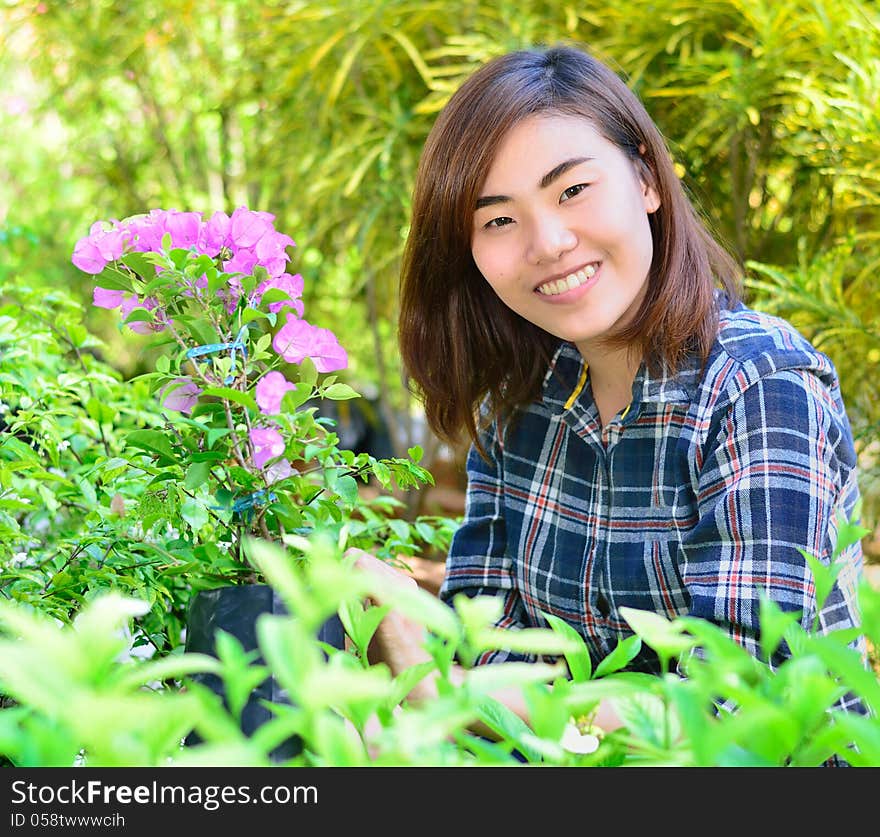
651,198
647,180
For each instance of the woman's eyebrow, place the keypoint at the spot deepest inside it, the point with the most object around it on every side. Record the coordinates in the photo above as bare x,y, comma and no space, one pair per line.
561,169
546,180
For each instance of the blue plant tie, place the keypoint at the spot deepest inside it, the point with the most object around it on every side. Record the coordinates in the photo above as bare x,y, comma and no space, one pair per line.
244,505
239,344
251,500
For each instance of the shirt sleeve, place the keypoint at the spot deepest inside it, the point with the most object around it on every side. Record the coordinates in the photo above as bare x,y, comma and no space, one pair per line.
478,563
777,472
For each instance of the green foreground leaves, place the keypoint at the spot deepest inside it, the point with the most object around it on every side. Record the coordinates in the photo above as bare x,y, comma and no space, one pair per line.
80,698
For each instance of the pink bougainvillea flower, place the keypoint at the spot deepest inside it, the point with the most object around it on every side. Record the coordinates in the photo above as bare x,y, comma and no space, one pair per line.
273,244
326,351
298,339
101,245
87,257
291,285
293,340
271,251
279,470
146,232
132,301
267,444
214,235
243,261
110,242
180,395
105,298
248,226
270,390
184,228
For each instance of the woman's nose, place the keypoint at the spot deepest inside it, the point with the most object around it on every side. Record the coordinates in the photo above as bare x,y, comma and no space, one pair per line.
550,239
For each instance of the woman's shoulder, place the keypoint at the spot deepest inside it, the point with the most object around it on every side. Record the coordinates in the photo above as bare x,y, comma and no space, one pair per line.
752,345
746,334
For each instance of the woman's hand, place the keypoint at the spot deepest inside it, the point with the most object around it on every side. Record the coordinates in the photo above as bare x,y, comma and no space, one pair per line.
398,639
371,565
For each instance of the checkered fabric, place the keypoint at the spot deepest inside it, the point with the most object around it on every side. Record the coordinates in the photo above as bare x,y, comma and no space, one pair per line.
694,500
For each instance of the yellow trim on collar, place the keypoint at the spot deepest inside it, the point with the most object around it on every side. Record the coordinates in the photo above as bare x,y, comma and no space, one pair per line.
578,388
623,414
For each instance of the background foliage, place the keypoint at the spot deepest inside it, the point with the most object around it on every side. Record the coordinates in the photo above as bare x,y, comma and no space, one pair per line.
317,112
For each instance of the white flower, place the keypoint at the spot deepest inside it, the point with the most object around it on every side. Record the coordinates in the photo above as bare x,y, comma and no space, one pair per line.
579,742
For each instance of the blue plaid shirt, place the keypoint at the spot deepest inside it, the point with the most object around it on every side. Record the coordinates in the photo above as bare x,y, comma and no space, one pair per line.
694,500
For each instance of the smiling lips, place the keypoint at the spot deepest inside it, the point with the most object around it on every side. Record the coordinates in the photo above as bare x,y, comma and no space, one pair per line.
567,283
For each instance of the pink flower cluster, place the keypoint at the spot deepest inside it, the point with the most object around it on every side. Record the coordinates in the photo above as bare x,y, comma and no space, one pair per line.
241,242
246,239
248,235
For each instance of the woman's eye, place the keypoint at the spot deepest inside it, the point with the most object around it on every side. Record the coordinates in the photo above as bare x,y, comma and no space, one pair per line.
499,222
571,191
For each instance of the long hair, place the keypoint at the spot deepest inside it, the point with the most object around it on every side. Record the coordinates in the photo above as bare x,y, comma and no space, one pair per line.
460,344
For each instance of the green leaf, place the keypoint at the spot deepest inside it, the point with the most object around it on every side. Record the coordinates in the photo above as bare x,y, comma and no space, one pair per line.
293,398
486,680
507,724
139,263
579,663
153,441
849,532
774,623
347,488
274,295
215,433
113,280
209,455
239,675
665,637
340,392
229,394
360,623
251,314
527,640
624,652
139,315
197,474
824,578
201,330
88,492
415,453
195,514
308,373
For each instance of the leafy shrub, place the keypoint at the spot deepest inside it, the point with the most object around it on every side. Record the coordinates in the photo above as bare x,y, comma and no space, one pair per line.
80,703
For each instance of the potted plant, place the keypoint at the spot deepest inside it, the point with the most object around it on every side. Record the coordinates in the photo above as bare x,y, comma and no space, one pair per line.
242,450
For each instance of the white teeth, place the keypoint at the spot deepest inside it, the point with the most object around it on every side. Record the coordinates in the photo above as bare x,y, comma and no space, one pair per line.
573,280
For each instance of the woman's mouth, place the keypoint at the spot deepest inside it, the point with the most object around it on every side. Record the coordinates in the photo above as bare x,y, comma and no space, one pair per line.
555,287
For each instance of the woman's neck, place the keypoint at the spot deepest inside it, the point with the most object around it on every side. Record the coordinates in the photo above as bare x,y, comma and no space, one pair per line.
611,378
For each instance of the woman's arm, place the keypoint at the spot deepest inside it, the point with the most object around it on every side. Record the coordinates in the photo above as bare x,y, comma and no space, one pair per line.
398,643
778,472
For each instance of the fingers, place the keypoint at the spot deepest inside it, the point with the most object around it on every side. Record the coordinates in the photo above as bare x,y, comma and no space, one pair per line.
380,569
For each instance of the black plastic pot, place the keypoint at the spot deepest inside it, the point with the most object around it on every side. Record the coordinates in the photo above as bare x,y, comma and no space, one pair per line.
235,610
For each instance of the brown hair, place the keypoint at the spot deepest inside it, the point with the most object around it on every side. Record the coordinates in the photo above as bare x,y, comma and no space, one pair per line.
459,342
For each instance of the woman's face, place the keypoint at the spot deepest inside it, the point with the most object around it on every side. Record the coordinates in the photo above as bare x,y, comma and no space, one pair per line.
561,229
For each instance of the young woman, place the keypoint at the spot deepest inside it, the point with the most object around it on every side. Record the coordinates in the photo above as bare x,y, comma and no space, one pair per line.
639,437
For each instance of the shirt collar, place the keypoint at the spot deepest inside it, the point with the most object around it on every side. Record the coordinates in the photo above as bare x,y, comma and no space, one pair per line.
567,367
